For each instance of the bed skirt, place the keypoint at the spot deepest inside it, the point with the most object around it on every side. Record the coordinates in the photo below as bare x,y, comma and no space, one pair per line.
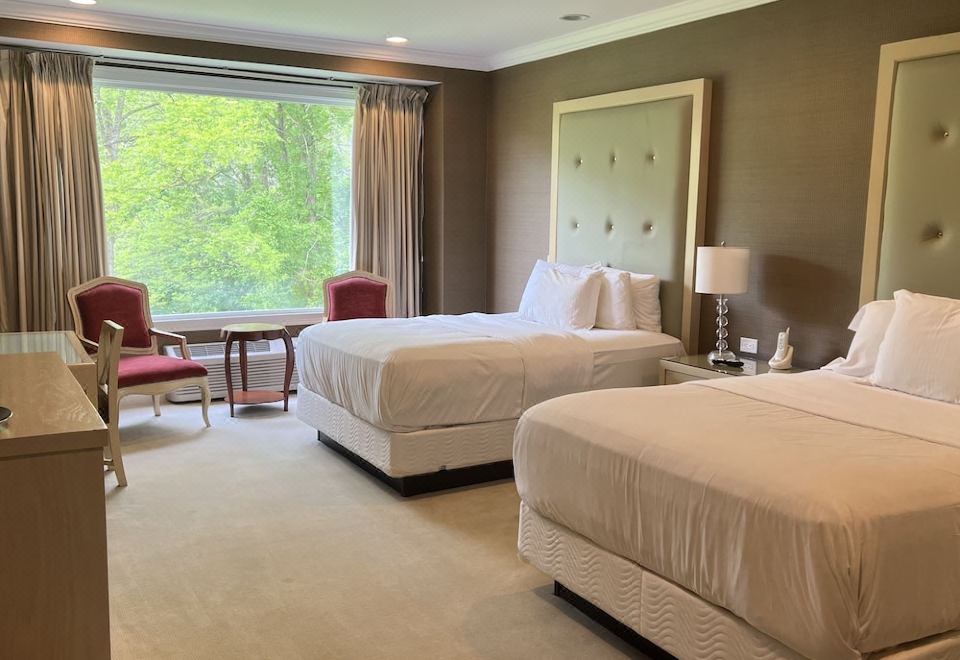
667,615
415,453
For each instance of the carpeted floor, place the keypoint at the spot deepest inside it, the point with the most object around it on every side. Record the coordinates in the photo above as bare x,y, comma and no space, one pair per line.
253,540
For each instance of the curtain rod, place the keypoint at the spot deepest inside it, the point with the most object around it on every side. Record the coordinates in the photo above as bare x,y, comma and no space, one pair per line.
234,73
223,71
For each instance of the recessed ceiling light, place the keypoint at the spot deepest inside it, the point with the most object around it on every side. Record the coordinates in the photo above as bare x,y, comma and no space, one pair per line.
574,17
84,2
397,40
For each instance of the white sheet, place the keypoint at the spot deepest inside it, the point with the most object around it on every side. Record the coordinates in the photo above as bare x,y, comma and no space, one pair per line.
628,358
823,511
410,374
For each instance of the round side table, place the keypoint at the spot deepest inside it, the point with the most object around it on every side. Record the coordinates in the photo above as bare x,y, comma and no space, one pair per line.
244,332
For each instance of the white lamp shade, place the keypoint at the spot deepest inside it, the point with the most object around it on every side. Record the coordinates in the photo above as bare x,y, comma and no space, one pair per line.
722,270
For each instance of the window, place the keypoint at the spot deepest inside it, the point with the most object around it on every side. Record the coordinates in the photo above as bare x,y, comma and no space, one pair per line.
224,195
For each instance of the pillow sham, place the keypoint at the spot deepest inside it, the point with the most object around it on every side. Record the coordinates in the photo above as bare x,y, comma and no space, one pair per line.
921,350
615,307
870,324
645,297
561,296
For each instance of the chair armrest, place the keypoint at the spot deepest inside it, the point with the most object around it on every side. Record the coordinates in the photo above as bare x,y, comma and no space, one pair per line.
87,344
180,339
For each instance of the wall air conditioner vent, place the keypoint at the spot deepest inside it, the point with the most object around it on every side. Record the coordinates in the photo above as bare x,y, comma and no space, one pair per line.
266,360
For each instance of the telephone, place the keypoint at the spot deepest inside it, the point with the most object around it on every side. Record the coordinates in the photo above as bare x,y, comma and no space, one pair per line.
783,358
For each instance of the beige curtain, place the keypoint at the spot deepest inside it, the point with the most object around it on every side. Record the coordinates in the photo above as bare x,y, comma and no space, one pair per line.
51,204
388,188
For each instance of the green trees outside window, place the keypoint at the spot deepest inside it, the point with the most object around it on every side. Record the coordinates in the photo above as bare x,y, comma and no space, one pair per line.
224,204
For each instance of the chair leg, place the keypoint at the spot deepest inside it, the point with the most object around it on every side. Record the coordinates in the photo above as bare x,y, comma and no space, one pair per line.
115,455
205,402
156,405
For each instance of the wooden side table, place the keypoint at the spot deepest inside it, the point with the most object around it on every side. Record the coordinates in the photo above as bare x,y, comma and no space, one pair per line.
244,332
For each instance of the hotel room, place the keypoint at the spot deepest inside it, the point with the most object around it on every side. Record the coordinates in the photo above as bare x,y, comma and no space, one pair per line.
434,330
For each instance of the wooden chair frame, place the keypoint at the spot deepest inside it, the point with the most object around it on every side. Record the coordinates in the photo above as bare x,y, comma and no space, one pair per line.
108,396
359,273
154,390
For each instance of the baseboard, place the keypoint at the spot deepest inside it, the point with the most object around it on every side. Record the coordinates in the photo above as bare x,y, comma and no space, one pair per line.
419,484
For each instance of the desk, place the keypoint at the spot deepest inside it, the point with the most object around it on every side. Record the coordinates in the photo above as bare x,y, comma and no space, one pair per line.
53,546
64,343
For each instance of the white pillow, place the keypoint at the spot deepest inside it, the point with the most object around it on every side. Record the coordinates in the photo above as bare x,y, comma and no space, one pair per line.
615,309
870,324
920,353
646,301
645,296
557,297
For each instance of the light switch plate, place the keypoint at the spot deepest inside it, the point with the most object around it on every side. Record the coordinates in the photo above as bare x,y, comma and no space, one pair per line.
748,345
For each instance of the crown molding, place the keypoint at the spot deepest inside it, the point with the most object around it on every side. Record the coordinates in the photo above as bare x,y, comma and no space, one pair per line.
162,27
650,21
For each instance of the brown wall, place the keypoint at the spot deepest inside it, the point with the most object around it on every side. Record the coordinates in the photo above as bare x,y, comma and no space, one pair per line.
794,86
454,146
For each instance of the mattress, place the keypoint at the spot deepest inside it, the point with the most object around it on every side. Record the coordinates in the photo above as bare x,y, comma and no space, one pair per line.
820,510
404,375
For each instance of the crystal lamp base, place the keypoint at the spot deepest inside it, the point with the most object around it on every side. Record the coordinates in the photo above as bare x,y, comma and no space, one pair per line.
714,356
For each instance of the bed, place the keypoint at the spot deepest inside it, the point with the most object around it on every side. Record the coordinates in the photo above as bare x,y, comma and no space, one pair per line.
438,394
786,516
433,402
774,516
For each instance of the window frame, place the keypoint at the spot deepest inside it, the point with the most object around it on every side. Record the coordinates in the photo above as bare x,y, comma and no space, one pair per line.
215,82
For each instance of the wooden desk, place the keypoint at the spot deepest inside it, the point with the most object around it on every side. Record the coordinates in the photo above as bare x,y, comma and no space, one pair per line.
53,531
64,343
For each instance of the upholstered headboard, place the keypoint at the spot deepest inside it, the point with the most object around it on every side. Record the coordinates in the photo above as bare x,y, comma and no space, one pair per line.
629,186
913,213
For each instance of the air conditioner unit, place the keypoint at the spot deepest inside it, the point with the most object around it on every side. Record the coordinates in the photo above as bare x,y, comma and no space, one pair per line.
266,361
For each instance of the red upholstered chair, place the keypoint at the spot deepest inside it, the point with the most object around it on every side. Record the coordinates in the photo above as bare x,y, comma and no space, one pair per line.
357,295
142,369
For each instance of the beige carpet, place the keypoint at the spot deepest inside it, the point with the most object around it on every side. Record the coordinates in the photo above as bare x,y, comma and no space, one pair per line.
253,540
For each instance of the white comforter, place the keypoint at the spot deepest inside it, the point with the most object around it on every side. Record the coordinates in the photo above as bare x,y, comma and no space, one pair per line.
823,511
409,374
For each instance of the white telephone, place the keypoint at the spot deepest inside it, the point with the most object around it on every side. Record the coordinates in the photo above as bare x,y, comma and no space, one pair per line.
783,358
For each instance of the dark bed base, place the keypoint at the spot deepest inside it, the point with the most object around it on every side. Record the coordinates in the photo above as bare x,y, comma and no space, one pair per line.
418,484
629,635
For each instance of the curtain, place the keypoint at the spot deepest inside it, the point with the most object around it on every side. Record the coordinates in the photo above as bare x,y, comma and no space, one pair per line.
388,188
51,201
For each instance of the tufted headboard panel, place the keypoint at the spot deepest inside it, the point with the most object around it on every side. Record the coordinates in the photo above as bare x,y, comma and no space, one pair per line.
913,219
627,188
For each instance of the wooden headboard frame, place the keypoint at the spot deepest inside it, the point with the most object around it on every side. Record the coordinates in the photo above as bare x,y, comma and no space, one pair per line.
891,57
697,93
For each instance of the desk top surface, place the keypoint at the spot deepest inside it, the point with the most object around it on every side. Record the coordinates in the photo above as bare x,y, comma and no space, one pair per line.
51,413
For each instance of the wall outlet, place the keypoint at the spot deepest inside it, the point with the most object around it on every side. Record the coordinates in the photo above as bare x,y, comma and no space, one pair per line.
748,345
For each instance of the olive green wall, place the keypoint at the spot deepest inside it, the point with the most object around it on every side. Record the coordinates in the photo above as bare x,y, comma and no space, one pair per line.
794,87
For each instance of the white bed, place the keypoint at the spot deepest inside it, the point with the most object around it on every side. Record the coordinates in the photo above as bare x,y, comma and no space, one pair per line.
775,516
418,396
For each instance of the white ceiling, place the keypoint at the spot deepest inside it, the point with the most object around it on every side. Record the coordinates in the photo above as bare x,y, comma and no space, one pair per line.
484,35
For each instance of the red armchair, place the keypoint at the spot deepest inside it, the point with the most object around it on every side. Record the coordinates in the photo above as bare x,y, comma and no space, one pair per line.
357,295
142,369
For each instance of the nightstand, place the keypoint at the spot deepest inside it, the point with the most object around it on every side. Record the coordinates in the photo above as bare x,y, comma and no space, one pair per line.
697,367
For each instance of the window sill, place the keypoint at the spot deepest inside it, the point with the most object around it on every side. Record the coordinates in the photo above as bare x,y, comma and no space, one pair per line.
216,320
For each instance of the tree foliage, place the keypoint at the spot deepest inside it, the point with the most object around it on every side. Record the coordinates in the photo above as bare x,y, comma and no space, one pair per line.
224,204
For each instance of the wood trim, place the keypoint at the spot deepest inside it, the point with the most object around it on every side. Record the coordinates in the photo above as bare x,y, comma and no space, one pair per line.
891,55
701,91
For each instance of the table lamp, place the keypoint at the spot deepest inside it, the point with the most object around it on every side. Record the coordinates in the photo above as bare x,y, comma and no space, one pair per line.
722,271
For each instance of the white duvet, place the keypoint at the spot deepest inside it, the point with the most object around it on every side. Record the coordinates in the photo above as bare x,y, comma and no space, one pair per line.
410,374
823,511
